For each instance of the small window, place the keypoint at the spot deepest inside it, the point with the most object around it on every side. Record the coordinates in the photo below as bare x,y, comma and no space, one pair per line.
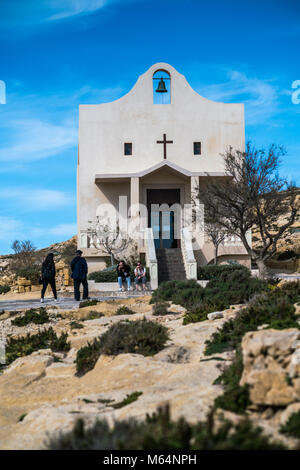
197,148
128,148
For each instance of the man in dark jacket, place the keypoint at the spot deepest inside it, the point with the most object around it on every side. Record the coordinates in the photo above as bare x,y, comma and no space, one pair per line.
123,271
79,273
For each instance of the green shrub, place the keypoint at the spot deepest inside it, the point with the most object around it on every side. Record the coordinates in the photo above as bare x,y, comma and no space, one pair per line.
270,308
235,398
75,325
160,308
4,289
185,293
132,397
292,426
160,432
32,273
213,272
88,303
291,290
110,274
123,310
93,315
104,276
87,356
233,287
199,312
25,345
37,316
140,337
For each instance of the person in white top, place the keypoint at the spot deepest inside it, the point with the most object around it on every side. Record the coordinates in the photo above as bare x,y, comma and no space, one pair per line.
140,276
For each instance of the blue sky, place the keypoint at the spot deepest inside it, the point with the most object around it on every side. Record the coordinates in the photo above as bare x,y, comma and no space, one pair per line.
56,54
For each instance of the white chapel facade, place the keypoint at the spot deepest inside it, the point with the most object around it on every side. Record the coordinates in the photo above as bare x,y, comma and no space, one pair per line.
155,145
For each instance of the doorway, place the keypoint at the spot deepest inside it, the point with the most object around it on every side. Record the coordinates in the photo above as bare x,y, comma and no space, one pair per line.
162,218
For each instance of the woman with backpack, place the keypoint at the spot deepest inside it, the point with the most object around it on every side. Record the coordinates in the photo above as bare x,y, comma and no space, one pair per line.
48,276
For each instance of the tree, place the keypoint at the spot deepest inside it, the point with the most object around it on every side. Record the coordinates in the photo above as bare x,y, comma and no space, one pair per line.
252,195
216,234
112,241
25,261
24,256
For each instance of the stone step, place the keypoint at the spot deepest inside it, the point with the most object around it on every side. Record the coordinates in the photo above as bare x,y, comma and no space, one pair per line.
170,264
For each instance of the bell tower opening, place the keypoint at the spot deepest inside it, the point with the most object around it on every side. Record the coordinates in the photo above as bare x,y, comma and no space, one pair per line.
161,87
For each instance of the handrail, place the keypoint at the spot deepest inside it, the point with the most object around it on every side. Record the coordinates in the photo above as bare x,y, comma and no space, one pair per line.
190,264
151,260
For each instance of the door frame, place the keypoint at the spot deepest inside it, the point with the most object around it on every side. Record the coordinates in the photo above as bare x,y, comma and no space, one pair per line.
182,193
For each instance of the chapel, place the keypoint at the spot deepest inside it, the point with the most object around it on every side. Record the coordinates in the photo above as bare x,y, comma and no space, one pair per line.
144,156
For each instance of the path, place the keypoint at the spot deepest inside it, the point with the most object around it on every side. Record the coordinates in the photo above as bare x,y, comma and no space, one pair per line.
65,303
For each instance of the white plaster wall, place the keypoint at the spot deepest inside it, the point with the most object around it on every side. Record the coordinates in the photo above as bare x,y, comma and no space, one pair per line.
103,129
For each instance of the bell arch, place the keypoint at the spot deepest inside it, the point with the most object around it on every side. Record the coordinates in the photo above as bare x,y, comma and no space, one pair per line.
161,87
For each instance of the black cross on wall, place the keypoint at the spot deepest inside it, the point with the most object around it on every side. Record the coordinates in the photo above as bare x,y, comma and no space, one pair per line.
165,142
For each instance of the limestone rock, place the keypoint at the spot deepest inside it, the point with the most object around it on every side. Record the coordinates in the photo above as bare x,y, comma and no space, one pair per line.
291,409
214,315
268,367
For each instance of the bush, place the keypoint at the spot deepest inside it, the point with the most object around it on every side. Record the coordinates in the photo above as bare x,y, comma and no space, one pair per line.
123,310
87,356
75,325
199,312
185,293
32,273
274,309
132,397
37,316
213,272
25,345
292,426
291,290
87,303
4,289
93,315
271,308
160,432
110,274
235,398
160,308
233,287
140,337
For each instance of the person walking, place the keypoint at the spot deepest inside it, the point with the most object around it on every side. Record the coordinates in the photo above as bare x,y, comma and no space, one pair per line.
140,276
48,276
79,270
123,271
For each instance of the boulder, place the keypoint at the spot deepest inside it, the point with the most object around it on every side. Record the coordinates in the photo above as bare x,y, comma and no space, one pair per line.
215,315
271,366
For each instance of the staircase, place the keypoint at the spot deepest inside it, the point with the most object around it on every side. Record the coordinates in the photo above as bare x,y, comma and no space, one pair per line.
170,264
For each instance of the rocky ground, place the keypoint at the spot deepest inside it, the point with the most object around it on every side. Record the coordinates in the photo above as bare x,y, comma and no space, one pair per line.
41,395
52,397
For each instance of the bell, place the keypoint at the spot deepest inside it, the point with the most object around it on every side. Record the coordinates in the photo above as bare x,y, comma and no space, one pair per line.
161,87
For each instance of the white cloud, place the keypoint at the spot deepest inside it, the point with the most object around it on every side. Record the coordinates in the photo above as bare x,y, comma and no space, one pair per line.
64,230
35,139
10,228
60,231
259,96
26,16
68,8
36,199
